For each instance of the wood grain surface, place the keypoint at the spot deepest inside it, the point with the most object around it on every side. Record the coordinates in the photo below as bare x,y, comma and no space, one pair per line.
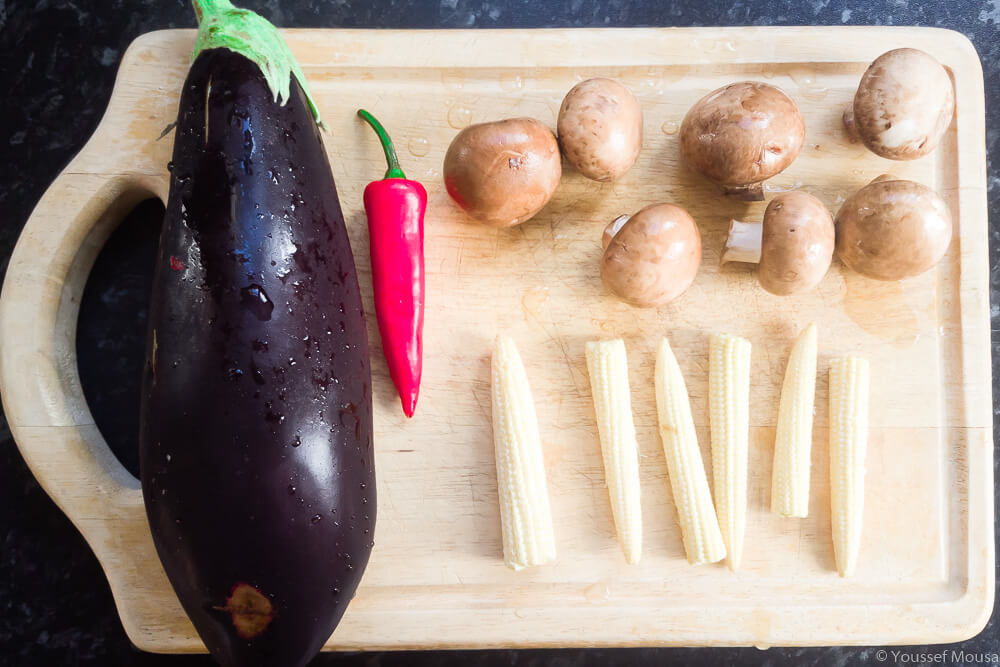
436,578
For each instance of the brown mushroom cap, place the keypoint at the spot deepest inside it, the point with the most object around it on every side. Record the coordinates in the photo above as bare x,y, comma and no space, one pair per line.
890,230
654,257
904,104
796,243
600,128
742,134
504,172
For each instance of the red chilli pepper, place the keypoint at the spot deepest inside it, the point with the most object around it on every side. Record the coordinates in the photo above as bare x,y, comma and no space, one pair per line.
395,207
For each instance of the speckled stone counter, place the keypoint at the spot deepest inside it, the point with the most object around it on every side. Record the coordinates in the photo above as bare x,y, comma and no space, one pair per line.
57,67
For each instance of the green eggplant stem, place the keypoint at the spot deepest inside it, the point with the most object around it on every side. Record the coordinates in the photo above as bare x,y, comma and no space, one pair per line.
224,26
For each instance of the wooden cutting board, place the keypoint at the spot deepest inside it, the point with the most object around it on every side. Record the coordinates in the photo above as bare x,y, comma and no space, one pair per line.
436,577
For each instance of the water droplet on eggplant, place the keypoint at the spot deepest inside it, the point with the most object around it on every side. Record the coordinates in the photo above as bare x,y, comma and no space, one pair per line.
255,299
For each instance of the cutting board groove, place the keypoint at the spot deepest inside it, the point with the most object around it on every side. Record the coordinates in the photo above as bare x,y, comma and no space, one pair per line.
436,577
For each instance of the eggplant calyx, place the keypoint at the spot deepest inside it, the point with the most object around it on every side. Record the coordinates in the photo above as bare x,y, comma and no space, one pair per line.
224,26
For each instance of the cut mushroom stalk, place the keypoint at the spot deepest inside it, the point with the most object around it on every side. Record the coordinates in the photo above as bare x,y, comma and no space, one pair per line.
749,192
743,244
793,245
850,125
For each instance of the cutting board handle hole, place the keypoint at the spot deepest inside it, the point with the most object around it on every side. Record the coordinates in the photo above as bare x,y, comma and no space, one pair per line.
111,328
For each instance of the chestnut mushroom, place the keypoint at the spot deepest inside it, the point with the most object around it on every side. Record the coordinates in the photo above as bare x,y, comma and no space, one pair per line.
502,173
600,128
793,245
903,106
741,135
651,258
892,229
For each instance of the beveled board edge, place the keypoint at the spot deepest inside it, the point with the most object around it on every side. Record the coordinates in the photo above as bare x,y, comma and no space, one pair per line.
40,388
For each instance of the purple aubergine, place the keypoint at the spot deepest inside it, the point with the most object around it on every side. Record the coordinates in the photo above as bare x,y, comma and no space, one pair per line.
256,431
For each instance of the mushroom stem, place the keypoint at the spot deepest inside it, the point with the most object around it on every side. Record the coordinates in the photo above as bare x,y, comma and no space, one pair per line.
612,229
748,192
850,126
743,243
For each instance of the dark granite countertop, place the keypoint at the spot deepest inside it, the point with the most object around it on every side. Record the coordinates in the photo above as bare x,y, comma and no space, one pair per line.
57,64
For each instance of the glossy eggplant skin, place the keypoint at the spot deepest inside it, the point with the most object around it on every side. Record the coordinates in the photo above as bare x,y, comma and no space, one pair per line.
256,427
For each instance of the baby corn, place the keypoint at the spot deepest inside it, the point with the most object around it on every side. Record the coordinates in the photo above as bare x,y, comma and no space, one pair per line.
729,396
699,525
525,517
848,443
608,369
793,440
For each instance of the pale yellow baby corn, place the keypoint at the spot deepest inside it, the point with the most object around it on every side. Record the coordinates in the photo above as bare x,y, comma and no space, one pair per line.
608,369
699,525
793,440
848,445
525,517
729,408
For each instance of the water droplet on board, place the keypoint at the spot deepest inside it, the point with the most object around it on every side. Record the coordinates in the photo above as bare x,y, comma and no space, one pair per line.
511,82
459,117
652,80
670,127
808,81
419,146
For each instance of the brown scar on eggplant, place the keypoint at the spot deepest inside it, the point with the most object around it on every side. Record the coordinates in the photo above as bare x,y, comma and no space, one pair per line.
250,609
